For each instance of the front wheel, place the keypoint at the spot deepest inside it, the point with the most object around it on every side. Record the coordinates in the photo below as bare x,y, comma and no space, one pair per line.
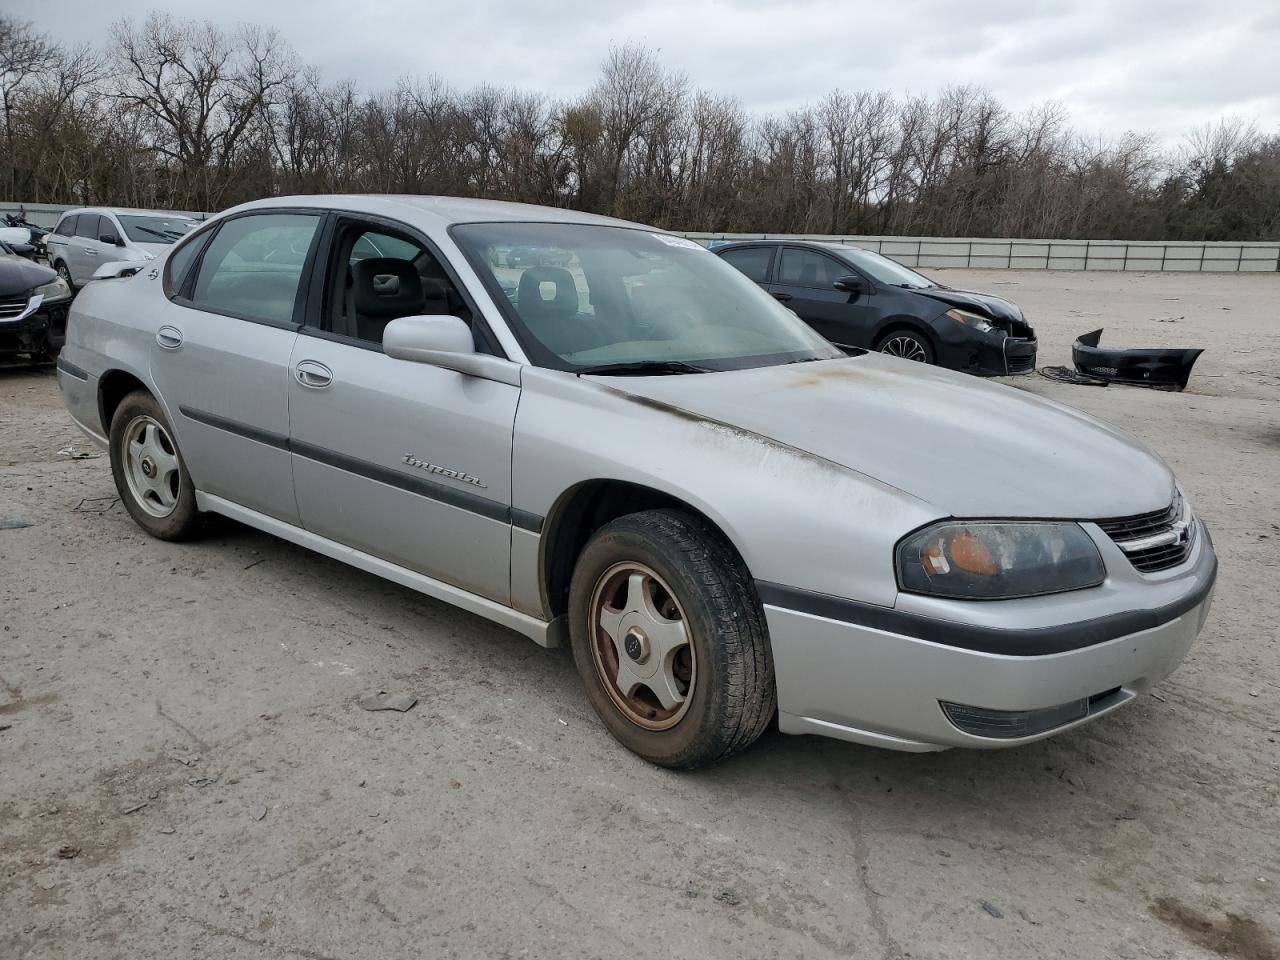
65,274
670,640
906,344
149,472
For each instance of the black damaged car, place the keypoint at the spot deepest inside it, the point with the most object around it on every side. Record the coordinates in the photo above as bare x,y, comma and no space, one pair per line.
856,298
33,309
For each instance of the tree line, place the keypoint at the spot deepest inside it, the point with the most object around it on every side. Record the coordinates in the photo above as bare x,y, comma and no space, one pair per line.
185,115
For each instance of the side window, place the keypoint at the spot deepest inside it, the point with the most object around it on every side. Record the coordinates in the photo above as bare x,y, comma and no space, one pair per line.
807,268
179,263
253,266
377,276
88,226
752,261
67,225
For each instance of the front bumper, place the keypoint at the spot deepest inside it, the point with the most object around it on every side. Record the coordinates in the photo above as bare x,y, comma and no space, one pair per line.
864,682
42,331
994,354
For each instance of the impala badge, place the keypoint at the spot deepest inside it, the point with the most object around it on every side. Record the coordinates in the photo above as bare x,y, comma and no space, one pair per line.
413,461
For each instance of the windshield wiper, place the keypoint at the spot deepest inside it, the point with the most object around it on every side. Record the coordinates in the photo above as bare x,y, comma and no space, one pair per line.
155,233
643,367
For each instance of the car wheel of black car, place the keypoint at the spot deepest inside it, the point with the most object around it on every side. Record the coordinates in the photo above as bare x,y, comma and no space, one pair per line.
670,639
149,471
907,344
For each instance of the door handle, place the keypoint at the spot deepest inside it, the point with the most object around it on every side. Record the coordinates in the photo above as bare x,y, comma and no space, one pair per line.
170,338
312,374
89,251
782,297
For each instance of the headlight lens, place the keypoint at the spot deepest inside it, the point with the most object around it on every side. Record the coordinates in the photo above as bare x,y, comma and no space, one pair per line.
978,560
971,320
55,290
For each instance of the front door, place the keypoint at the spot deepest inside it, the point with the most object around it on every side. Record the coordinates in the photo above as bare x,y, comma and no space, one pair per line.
221,358
804,281
405,461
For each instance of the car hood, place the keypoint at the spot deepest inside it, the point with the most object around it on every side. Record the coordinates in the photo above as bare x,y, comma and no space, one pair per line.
983,304
966,446
18,275
155,249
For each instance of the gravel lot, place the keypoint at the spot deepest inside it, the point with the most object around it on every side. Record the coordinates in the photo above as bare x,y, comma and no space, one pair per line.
184,716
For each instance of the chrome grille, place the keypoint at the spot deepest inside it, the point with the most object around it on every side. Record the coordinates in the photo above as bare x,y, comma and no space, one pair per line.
11,307
1154,541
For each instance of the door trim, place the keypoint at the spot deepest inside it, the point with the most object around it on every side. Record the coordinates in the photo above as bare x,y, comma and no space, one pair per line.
462,499
540,632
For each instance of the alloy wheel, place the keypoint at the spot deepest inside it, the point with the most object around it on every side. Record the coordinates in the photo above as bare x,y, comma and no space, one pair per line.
905,346
641,646
151,466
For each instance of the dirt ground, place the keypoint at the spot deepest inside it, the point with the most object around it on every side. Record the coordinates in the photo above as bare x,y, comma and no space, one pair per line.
182,718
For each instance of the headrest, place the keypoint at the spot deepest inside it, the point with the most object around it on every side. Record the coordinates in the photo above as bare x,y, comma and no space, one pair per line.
534,303
386,287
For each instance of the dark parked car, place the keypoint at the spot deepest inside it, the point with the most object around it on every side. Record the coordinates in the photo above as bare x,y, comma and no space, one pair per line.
33,309
856,298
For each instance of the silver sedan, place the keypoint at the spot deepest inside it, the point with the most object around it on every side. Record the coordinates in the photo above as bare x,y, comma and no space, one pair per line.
593,431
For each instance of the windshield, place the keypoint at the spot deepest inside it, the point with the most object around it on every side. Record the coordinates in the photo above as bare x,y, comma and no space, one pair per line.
581,296
156,229
883,270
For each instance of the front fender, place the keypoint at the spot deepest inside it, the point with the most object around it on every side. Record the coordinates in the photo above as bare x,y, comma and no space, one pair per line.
795,518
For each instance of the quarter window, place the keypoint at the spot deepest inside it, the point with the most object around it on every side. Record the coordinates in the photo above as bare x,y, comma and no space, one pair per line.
67,225
805,268
752,261
252,267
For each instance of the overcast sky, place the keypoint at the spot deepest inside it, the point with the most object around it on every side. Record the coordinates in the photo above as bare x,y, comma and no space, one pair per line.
1159,66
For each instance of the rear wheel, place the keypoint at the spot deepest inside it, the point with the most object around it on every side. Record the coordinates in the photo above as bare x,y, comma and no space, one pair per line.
149,471
907,344
670,640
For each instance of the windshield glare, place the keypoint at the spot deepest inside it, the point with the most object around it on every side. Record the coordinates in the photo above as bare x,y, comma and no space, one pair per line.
156,229
883,270
580,296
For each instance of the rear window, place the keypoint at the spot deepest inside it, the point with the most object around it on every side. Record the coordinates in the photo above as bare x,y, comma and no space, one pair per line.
753,261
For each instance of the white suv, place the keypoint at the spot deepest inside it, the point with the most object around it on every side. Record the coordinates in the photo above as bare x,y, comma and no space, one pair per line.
86,238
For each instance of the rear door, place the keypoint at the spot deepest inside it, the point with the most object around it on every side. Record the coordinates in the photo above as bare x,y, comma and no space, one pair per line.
404,461
58,243
82,249
804,282
221,356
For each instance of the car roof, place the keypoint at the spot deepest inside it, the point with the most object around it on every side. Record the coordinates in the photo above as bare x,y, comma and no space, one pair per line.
835,245
442,210
129,212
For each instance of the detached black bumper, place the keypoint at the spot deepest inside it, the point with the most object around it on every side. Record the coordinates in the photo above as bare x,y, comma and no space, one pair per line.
40,332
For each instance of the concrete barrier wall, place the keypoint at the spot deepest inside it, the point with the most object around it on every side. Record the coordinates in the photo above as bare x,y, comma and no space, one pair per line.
1013,254
975,253
47,214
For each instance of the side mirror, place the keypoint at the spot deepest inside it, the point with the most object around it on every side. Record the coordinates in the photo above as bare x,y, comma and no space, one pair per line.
445,342
850,284
110,238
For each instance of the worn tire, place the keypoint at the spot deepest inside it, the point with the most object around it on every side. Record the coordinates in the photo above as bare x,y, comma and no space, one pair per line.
64,273
921,341
185,521
733,697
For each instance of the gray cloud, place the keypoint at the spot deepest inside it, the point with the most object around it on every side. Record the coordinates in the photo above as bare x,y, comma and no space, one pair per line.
1158,66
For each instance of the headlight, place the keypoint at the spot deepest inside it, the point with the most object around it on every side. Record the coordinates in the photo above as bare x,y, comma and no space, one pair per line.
978,560
55,290
971,320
